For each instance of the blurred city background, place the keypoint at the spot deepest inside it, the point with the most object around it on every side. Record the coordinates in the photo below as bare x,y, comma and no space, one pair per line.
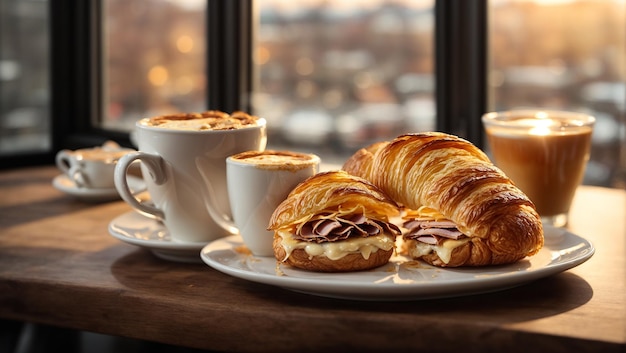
332,76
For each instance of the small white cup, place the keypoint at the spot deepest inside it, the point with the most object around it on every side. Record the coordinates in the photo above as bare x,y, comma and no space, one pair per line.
257,183
91,168
183,161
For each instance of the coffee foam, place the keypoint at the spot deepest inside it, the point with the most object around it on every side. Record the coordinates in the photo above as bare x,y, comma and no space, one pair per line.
278,160
526,131
209,120
100,154
531,124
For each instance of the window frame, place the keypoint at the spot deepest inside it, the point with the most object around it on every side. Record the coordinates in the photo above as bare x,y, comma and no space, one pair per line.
76,74
229,55
461,60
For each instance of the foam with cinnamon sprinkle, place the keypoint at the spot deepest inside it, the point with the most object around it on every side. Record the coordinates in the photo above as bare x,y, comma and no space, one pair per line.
209,120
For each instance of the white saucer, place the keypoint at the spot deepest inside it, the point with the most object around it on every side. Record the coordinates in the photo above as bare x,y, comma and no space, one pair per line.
136,229
401,278
66,185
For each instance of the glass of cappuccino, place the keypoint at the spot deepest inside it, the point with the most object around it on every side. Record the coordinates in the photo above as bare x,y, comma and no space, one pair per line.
545,154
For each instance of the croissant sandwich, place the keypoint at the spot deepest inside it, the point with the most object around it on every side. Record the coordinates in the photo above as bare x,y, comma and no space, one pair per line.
335,222
462,210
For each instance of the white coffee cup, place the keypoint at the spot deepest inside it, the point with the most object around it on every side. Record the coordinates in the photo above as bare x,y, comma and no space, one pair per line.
183,161
91,168
257,183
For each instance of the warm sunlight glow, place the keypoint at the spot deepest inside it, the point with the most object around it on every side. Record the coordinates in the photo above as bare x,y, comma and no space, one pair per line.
542,125
262,55
184,44
158,75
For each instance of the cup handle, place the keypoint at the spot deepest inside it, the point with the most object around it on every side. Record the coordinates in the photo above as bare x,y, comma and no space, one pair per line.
76,174
72,170
154,164
63,161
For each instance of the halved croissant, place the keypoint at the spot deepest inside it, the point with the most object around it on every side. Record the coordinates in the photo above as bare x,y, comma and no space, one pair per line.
452,176
334,221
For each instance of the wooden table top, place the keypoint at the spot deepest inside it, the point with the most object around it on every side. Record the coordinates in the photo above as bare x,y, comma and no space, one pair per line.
60,266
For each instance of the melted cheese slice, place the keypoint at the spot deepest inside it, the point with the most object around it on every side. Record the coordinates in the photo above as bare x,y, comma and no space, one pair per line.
444,251
425,213
338,249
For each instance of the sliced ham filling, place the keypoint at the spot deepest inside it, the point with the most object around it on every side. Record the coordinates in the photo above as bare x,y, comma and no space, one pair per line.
333,227
431,231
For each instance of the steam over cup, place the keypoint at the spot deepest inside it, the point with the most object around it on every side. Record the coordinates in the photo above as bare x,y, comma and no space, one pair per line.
257,183
91,168
185,173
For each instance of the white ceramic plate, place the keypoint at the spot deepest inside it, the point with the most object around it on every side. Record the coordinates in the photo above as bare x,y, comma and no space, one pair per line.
148,233
66,185
401,279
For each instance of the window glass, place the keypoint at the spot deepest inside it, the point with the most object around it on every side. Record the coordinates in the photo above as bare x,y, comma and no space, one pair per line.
154,59
334,76
24,77
567,55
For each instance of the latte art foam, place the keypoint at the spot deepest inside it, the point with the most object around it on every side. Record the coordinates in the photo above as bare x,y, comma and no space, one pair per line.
209,120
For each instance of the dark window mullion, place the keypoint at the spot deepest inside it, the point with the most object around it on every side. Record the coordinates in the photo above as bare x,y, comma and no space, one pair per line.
229,55
72,80
461,67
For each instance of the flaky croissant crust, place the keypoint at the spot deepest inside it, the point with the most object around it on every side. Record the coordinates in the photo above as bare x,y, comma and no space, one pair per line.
456,178
328,191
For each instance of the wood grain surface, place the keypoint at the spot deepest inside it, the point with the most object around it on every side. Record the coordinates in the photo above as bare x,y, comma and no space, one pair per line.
59,266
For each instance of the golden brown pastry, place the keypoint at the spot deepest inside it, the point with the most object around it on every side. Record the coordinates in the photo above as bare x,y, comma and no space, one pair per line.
335,222
464,211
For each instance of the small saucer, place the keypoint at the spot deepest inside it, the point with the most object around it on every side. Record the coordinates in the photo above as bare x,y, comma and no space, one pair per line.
136,229
65,184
